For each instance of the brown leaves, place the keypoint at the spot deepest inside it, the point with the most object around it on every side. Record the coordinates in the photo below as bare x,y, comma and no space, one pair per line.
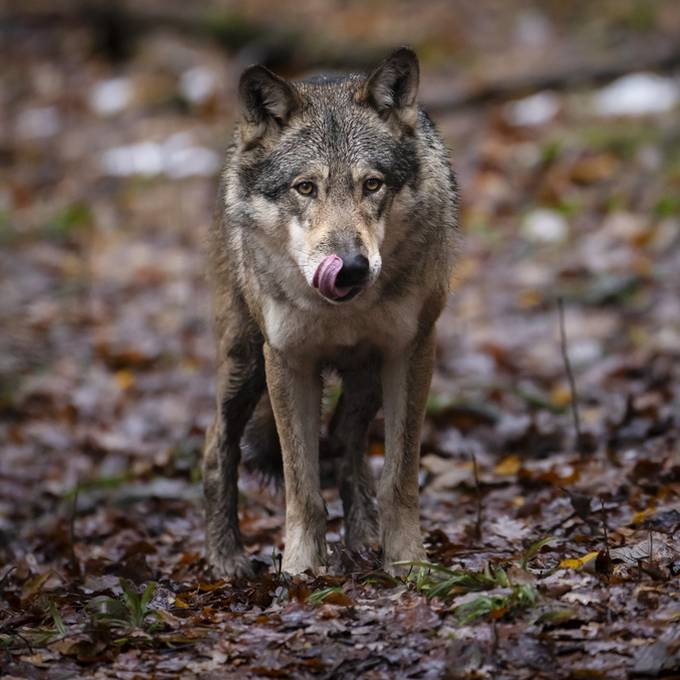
107,372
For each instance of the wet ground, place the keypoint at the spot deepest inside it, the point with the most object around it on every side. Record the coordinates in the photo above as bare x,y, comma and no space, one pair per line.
552,555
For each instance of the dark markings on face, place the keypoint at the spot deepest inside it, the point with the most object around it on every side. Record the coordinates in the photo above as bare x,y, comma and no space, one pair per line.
335,132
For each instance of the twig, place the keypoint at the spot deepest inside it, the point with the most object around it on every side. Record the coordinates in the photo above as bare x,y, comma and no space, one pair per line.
5,576
75,565
603,563
570,376
478,522
604,527
25,641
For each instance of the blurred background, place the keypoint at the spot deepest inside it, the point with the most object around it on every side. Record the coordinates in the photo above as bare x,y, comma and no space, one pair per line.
562,119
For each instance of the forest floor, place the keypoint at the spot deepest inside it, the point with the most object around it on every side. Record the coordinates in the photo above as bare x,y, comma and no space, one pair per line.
550,555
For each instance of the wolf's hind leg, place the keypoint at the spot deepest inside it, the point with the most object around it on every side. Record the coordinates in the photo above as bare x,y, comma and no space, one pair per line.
356,409
240,381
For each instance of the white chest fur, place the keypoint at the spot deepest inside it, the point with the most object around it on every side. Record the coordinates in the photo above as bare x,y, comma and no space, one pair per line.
389,326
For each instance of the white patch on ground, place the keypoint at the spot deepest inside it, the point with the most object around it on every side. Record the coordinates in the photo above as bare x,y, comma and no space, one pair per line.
197,84
145,158
637,94
545,226
177,158
109,97
537,109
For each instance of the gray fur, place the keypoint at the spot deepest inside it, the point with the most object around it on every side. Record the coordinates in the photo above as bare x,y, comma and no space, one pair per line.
272,325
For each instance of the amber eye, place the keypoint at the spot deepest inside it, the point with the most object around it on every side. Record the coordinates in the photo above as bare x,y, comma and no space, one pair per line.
306,188
372,184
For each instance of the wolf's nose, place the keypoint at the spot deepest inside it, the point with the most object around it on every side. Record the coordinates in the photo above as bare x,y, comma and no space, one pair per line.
354,271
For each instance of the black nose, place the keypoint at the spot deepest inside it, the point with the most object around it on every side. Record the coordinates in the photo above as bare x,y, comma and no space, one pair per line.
354,271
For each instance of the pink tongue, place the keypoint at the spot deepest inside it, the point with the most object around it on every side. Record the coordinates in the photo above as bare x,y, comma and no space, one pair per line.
326,275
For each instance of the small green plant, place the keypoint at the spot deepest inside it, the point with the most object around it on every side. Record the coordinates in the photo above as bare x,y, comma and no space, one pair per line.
497,605
435,580
318,597
130,612
533,550
56,617
667,206
69,222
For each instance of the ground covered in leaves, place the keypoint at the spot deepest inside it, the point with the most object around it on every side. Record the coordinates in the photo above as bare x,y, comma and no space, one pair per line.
550,555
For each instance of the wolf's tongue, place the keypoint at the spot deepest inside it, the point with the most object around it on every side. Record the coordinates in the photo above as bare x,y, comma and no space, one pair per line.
325,276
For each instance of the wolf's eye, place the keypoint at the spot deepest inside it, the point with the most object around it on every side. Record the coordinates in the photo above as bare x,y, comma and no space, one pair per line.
372,184
306,188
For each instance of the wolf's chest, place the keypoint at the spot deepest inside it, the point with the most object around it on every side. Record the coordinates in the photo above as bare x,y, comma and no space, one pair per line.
388,327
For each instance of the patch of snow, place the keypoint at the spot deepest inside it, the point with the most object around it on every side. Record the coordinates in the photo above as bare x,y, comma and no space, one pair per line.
637,94
109,97
191,161
197,84
177,158
145,159
585,351
536,109
546,226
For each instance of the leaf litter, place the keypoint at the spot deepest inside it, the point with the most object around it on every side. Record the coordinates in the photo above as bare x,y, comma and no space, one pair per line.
551,552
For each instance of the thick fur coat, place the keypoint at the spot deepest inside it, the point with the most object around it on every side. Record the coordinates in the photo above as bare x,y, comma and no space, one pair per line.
333,248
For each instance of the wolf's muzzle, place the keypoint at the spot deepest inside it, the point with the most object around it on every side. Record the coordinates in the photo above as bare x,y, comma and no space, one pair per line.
341,278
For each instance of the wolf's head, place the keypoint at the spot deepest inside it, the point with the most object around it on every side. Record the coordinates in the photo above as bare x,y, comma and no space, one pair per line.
323,161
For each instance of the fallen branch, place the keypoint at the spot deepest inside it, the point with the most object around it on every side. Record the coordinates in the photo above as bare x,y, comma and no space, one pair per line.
290,49
478,521
659,57
572,383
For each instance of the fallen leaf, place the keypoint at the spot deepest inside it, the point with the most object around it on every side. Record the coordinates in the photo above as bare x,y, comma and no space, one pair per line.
578,562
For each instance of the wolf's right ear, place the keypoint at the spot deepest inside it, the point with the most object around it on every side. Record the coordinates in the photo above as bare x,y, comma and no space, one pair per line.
393,87
267,103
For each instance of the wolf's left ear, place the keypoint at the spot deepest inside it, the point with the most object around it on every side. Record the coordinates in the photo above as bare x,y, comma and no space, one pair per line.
392,88
267,102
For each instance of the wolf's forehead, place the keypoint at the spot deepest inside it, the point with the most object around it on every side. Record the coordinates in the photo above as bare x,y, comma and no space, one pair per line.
339,136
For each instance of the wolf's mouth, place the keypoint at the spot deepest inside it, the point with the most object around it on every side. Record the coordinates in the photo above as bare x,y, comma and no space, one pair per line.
326,280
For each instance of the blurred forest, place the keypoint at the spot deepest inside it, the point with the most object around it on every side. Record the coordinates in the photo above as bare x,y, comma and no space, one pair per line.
554,553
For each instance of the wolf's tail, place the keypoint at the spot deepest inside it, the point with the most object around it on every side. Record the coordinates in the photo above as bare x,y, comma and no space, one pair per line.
260,443
262,451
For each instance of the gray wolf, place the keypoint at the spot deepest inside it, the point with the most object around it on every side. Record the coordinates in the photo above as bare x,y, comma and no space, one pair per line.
333,250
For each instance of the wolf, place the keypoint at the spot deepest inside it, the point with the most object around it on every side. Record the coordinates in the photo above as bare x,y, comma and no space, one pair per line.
333,248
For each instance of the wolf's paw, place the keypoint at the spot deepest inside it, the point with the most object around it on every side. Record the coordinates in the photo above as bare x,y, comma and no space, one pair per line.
362,530
403,552
236,565
303,554
297,566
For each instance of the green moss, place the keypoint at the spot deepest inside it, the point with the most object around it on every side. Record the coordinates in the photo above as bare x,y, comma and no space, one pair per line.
622,139
73,219
667,206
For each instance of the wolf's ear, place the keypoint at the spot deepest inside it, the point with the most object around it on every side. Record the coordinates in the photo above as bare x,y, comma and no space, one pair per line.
267,103
392,88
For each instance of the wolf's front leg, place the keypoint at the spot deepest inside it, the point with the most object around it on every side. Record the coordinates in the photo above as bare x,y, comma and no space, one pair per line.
240,382
295,394
406,381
